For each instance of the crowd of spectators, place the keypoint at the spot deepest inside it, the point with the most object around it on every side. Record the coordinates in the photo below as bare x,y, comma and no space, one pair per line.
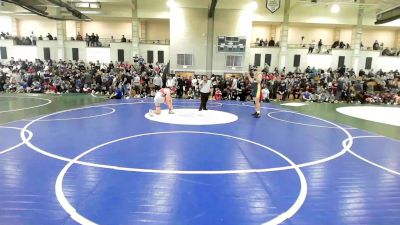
265,43
28,40
143,80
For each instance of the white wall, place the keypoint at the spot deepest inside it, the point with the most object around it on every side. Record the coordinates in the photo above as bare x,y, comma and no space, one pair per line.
188,29
6,24
261,31
40,26
143,48
274,56
319,61
101,54
71,29
347,58
153,9
290,58
23,52
54,48
320,14
387,63
345,35
386,36
106,29
231,23
374,55
127,47
81,45
157,30
310,33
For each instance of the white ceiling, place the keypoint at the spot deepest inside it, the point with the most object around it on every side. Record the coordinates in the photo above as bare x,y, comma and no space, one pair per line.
157,9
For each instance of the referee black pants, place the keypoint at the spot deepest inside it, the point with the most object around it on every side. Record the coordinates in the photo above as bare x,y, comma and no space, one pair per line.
204,99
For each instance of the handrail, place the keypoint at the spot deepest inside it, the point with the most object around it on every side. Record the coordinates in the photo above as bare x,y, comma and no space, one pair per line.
157,42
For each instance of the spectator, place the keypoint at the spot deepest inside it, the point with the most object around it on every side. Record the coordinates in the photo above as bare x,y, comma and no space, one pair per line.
319,45
123,39
311,48
33,38
271,43
79,37
375,46
49,36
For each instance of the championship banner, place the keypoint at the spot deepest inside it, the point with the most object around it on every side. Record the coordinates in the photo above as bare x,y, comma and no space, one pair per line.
273,5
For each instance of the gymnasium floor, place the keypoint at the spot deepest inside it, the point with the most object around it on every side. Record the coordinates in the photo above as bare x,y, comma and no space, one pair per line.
82,160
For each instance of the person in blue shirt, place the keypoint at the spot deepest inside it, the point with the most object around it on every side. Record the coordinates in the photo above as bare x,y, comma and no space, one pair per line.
306,96
117,93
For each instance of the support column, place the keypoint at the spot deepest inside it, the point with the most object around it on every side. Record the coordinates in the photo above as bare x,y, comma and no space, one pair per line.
397,40
272,32
336,34
78,28
356,40
143,30
14,26
61,37
210,46
135,29
284,36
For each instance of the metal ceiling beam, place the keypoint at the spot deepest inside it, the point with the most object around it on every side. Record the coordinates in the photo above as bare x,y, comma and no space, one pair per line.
388,15
212,8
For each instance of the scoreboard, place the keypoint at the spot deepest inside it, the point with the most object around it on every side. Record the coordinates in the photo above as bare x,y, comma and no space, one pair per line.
231,44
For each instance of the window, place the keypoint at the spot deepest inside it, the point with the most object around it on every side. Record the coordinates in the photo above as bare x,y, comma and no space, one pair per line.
234,60
185,59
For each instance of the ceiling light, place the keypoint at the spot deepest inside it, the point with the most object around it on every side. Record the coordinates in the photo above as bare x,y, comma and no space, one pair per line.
252,5
335,8
90,12
171,3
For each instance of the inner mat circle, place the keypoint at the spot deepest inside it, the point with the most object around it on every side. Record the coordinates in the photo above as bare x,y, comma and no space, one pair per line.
193,117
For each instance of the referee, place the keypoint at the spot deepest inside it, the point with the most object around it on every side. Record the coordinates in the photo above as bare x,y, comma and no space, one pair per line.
205,86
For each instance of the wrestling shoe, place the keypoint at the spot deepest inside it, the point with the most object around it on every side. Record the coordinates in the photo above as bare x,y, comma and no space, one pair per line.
171,112
257,115
151,112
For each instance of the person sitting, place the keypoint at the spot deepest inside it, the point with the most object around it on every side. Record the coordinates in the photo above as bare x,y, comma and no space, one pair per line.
123,39
79,37
271,43
117,93
306,96
218,94
265,94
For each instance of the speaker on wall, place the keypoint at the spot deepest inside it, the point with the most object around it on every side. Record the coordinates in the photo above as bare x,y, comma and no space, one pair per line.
160,56
296,62
341,61
121,55
75,54
150,56
368,63
46,52
268,58
3,52
257,60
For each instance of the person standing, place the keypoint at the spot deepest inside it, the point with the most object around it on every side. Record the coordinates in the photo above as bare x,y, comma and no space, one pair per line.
255,81
205,87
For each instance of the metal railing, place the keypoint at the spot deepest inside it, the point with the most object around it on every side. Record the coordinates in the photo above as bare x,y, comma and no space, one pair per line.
156,42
